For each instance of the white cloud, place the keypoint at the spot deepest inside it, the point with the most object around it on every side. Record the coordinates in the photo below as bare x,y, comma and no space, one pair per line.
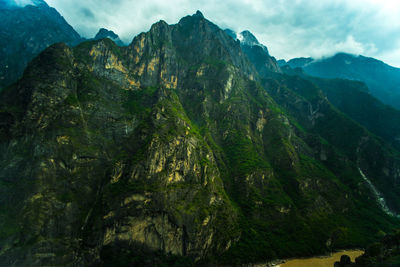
23,2
289,28
392,56
20,3
350,45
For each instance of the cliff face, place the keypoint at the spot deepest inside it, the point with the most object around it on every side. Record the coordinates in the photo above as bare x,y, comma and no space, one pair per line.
256,52
169,147
114,158
307,103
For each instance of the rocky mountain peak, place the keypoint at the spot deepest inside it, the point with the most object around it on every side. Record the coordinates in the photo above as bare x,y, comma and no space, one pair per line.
170,150
104,33
199,14
231,34
256,52
247,37
161,24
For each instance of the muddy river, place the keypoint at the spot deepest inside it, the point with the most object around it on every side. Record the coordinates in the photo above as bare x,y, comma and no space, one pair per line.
322,261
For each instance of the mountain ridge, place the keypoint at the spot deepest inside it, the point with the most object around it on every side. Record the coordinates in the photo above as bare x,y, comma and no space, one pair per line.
256,52
104,33
25,32
177,149
382,79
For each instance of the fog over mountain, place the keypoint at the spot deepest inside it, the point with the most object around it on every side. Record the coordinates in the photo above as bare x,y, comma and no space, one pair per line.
20,3
189,145
288,28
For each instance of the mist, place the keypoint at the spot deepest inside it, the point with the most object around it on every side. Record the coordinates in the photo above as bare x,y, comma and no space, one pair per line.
20,3
315,28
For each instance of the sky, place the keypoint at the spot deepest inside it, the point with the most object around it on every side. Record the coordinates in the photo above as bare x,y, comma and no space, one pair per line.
289,28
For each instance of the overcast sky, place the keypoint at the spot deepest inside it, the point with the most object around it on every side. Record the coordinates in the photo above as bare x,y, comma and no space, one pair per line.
289,28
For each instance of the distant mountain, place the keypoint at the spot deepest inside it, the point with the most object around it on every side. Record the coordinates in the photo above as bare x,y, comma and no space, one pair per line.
248,39
256,52
296,62
178,149
281,62
104,33
25,31
353,98
382,80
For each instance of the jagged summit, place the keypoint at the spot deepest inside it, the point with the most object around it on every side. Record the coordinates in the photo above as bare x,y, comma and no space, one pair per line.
104,33
247,37
199,14
255,51
159,24
231,34
175,148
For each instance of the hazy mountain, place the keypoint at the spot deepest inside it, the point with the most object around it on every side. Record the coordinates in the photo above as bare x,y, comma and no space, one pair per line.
355,100
382,80
25,31
104,33
256,52
297,62
182,148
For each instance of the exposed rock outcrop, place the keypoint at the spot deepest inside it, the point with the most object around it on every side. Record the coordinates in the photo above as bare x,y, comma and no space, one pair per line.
170,150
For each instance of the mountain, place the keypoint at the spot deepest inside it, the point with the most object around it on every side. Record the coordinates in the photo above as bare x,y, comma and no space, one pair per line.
25,31
177,149
104,33
382,80
297,62
354,99
256,52
304,97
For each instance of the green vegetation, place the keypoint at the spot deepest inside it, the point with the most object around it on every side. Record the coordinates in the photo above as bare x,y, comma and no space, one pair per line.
221,169
386,252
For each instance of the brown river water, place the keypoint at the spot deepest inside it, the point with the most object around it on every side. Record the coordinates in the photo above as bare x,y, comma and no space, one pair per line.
322,261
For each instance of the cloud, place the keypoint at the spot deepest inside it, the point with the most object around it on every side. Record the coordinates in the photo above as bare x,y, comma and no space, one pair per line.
289,28
350,45
20,3
23,2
